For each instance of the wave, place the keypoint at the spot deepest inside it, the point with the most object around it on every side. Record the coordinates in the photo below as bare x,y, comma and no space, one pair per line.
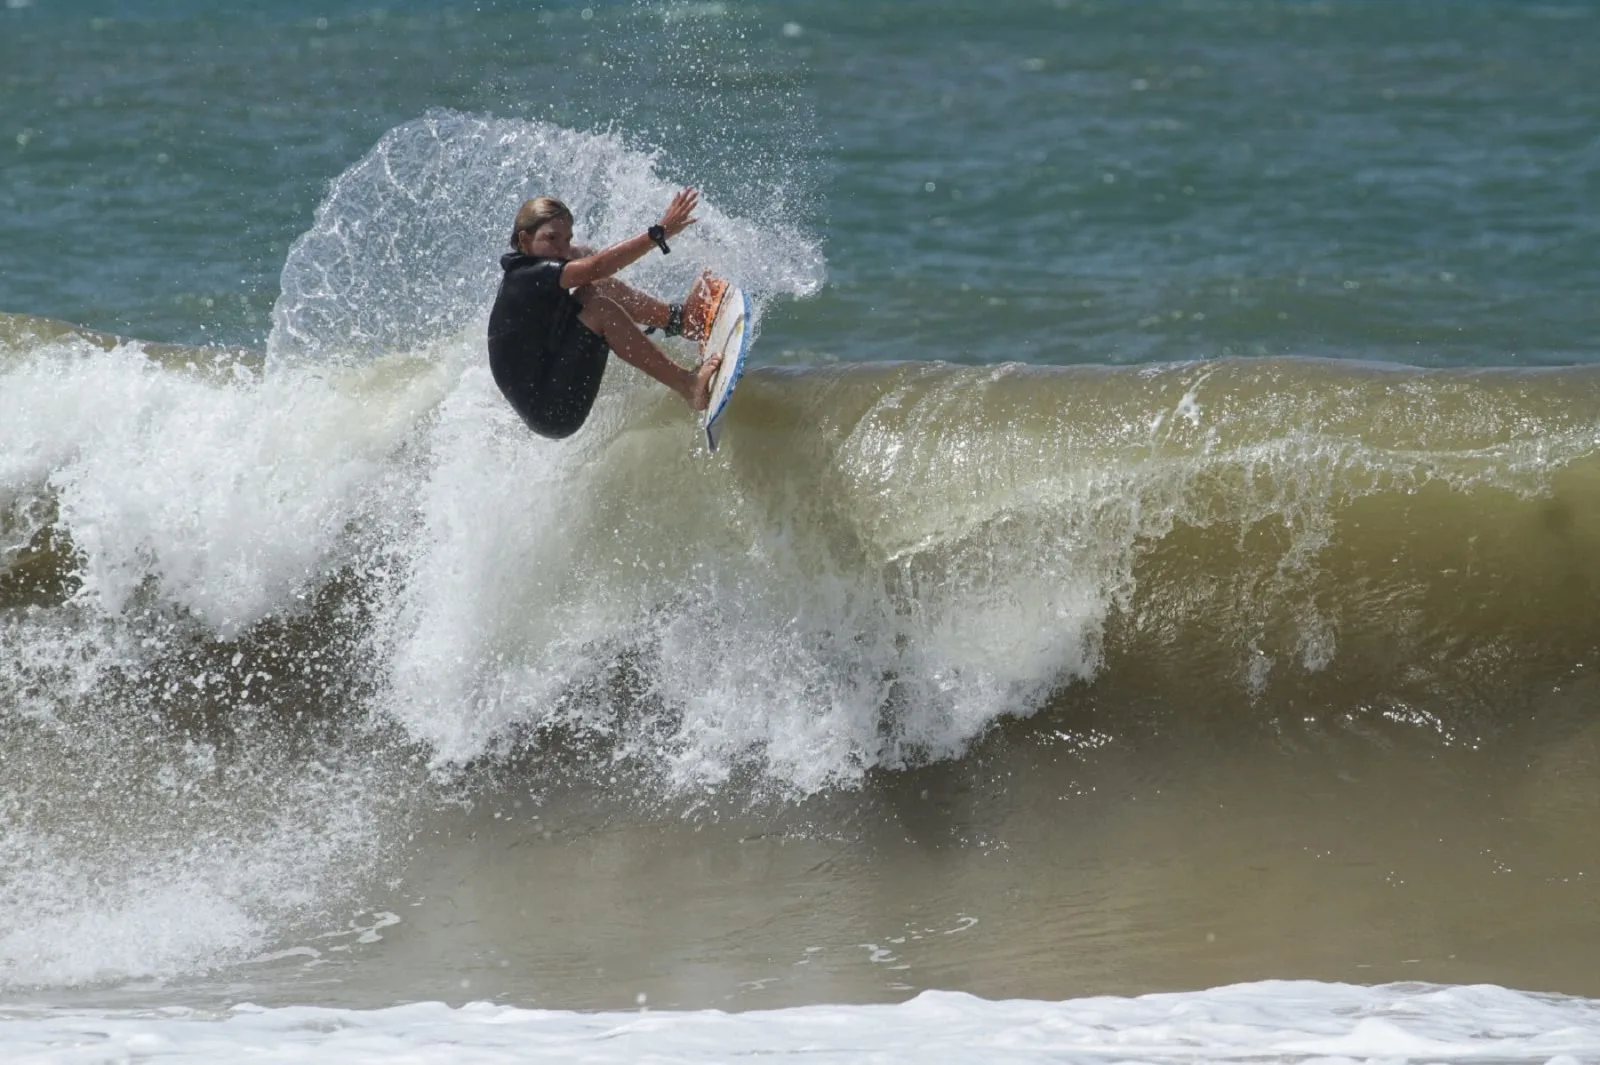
1289,1021
887,561
218,617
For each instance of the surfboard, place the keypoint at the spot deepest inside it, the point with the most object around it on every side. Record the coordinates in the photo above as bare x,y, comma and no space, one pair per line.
730,338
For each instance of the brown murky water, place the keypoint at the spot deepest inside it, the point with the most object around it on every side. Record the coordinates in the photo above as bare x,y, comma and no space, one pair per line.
1042,866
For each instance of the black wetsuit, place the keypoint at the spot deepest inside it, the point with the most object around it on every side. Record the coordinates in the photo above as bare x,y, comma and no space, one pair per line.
546,362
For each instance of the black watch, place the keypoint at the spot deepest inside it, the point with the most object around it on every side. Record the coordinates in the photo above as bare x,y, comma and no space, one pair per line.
659,235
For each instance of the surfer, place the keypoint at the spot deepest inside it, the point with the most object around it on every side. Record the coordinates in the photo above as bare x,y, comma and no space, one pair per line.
559,312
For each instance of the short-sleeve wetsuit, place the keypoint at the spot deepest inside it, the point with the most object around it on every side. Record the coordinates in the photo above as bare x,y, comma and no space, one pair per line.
547,363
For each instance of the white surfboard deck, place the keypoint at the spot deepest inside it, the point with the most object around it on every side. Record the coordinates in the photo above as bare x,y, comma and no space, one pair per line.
730,338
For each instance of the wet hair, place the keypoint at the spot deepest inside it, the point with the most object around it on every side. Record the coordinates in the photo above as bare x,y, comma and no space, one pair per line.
535,213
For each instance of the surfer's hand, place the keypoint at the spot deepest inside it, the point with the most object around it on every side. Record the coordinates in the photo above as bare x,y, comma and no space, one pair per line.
680,213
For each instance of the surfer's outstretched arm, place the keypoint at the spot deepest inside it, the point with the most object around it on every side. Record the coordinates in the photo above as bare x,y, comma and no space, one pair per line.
641,306
604,264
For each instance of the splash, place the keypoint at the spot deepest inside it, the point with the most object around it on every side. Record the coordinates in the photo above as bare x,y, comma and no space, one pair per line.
404,250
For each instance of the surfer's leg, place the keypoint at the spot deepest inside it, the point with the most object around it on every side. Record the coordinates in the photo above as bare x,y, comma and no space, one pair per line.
608,319
694,314
639,306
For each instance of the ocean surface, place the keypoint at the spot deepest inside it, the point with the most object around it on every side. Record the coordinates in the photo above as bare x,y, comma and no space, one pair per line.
1143,609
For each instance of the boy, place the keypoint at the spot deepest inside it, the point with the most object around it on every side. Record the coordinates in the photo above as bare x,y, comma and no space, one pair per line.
559,311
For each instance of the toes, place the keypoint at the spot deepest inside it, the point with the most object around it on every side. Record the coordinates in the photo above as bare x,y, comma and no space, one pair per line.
708,371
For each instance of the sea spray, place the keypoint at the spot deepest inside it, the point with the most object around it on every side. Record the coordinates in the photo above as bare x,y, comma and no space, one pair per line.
404,250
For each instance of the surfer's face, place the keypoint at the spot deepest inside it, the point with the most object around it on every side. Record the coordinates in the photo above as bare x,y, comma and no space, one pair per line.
553,240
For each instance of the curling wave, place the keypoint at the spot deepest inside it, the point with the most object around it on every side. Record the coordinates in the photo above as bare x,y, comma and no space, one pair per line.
888,559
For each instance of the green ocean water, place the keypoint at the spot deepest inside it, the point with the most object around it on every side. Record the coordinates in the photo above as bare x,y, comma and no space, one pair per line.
1045,181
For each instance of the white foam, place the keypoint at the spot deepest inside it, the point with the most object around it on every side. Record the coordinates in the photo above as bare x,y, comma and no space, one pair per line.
204,887
1288,1022
529,565
234,494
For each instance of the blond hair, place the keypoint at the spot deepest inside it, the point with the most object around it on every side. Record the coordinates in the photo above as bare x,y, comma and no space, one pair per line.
535,213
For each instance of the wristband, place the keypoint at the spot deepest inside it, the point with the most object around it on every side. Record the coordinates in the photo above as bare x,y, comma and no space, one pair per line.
659,235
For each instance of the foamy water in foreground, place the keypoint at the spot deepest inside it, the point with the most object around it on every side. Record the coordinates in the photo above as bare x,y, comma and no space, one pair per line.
1273,1021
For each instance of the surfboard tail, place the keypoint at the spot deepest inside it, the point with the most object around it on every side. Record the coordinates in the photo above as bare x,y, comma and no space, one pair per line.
729,337
702,306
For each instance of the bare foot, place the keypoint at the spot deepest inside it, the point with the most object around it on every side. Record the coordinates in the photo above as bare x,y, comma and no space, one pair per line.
700,389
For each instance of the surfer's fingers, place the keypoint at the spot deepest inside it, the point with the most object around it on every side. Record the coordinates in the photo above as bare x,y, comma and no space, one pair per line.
678,213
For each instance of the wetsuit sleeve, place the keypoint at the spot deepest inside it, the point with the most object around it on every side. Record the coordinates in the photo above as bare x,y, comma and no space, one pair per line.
545,275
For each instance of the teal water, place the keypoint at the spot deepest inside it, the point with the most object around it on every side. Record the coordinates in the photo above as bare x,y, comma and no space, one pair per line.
1051,182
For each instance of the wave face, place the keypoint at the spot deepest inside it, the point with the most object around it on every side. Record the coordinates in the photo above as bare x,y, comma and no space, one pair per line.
888,561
